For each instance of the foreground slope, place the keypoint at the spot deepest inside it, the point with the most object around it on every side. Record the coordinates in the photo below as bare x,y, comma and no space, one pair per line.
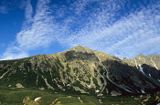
28,97
82,70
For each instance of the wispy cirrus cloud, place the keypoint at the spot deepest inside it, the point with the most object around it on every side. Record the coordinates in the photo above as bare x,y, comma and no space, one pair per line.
131,35
104,25
14,53
36,31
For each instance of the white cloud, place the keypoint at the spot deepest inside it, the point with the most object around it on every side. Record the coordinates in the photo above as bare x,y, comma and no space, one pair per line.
39,32
36,32
28,13
79,5
128,36
14,53
98,27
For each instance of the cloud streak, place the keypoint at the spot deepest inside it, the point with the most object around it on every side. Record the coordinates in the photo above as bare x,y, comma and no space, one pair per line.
99,24
127,37
39,32
36,31
14,53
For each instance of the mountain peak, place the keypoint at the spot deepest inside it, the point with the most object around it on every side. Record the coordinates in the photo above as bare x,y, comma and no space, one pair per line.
83,70
80,48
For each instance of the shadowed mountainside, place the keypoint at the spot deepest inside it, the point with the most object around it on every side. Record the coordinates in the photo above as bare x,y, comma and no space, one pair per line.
83,70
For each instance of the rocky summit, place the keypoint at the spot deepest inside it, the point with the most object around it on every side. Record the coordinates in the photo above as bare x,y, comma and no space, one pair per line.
83,70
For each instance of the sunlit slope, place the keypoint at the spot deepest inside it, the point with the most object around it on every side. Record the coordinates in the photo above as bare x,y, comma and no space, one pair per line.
80,70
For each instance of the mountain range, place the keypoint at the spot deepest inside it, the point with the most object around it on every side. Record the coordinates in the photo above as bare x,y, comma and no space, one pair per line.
83,70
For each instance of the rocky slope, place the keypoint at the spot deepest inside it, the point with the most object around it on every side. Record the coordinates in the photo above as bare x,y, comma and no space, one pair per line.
83,70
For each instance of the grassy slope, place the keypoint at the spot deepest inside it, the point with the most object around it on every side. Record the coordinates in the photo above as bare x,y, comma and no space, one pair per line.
16,96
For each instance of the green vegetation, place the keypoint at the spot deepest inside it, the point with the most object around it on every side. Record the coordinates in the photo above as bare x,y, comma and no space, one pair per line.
27,96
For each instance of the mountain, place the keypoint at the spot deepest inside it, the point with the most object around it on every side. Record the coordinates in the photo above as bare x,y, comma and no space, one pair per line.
83,70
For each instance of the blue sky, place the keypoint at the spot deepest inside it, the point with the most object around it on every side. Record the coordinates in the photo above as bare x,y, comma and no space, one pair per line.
124,28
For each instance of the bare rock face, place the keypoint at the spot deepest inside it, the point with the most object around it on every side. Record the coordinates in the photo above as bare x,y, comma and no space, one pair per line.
84,70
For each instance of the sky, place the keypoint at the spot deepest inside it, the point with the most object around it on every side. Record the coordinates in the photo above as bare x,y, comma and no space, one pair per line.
124,28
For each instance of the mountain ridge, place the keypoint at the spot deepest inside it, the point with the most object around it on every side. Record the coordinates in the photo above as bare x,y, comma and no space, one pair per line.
82,70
